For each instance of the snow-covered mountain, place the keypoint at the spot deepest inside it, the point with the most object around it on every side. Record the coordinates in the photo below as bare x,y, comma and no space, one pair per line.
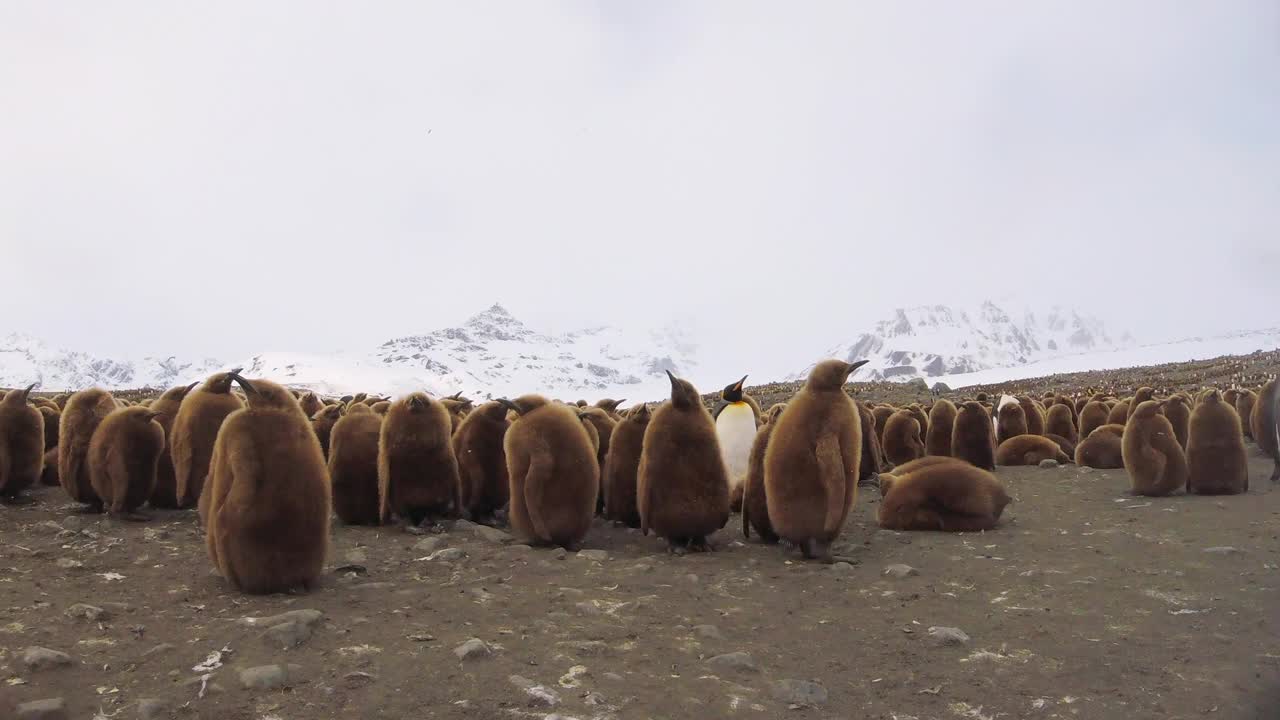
936,341
25,359
492,353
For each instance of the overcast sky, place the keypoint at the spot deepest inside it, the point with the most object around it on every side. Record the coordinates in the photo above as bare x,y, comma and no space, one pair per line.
225,178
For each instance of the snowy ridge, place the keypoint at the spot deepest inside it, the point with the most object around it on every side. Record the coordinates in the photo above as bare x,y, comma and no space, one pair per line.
25,360
937,341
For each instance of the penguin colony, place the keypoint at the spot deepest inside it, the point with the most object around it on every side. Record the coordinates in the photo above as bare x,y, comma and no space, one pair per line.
267,467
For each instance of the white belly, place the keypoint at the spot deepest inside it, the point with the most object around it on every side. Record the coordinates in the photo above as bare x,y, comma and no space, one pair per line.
736,430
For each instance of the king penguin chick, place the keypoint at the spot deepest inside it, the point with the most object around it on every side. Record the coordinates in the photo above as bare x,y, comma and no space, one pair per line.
165,494
602,427
353,465
736,422
417,471
610,406
123,456
555,477
683,488
21,444
269,501
195,429
1152,456
811,464
482,462
755,504
1265,424
322,423
618,484
84,411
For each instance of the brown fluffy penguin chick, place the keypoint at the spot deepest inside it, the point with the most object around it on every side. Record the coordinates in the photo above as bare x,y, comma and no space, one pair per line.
1216,460
1029,450
322,424
682,487
921,417
269,496
622,466
882,413
1178,412
1094,415
353,465
1102,450
52,419
123,456
755,504
609,405
604,425
974,439
1119,412
1266,423
886,480
84,411
1011,421
1152,456
1067,446
1230,396
1142,395
195,429
902,442
417,470
1070,405
381,407
812,461
21,444
555,477
61,400
947,495
872,460
1059,422
942,420
310,404
49,475
482,462
165,494
1033,413
1244,409
458,407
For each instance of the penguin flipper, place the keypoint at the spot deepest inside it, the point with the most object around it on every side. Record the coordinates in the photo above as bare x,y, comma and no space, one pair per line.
537,480
719,408
831,475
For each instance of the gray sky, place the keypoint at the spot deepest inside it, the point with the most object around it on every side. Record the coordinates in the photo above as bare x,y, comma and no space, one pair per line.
224,178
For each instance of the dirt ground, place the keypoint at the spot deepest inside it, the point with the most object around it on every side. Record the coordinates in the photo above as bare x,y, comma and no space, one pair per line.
1084,603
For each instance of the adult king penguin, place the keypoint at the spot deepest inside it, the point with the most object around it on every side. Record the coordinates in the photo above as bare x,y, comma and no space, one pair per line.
736,421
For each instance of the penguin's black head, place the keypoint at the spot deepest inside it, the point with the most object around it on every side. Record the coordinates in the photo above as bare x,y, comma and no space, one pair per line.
733,391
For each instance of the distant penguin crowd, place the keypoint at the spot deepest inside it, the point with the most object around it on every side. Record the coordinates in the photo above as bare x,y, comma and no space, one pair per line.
268,468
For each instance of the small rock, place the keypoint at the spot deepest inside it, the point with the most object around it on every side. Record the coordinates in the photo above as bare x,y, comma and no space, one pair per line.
287,635
51,709
734,661
447,555
151,709
841,568
521,682
38,658
587,648
948,635
542,696
593,555
1048,463
269,677
50,526
1224,550
491,534
380,586
473,649
304,617
68,563
691,579
1085,469
86,612
708,632
559,553
799,692
900,571
161,648
194,684
428,545
357,679
356,556
587,608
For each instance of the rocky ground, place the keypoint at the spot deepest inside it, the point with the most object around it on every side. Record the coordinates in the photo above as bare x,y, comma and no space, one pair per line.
1084,603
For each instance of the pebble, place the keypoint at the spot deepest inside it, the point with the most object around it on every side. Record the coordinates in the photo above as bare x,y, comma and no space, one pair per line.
1048,463
691,579
1224,550
948,635
799,692
1086,469
491,534
559,553
151,709
588,648
447,555
86,612
269,677
358,679
428,545
38,658
473,649
587,608
734,661
287,635
374,586
68,563
593,555
305,617
51,526
641,567
356,556
193,685
842,568
50,709
900,571
708,632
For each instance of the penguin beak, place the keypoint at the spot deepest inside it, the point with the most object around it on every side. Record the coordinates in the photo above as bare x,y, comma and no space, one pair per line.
508,405
738,385
188,388
26,392
856,365
616,404
674,382
244,384
153,415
